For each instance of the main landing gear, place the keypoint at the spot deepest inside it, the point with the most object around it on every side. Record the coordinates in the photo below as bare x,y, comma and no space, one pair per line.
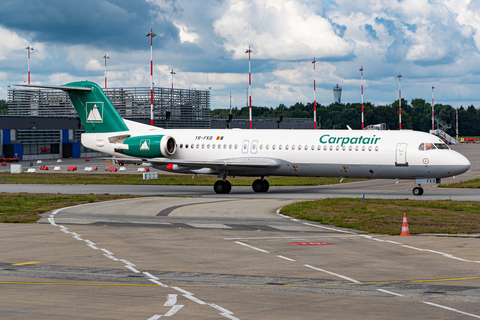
224,186
417,191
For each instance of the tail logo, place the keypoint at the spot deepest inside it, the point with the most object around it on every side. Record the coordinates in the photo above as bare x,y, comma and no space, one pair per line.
145,144
94,112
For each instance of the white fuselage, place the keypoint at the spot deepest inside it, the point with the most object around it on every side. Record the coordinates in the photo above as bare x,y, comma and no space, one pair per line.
326,153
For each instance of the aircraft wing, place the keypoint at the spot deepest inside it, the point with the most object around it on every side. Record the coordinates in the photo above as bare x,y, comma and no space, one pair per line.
212,164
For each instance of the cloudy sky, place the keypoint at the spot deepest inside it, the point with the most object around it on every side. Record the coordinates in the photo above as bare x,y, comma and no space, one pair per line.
428,42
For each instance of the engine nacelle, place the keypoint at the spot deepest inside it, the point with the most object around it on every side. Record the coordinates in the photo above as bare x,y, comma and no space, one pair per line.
150,146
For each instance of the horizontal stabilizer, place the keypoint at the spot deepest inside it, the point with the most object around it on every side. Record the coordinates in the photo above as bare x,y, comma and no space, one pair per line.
64,88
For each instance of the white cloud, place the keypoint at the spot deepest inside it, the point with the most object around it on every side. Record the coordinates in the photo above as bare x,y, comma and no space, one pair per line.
94,65
186,35
281,29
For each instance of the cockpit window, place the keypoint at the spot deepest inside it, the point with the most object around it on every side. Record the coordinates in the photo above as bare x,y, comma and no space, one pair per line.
441,146
421,146
429,146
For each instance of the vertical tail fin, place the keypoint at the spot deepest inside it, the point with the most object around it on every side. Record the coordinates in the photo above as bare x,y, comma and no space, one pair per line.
95,110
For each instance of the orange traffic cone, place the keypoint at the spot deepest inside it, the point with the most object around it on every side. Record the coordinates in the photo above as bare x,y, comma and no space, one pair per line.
405,231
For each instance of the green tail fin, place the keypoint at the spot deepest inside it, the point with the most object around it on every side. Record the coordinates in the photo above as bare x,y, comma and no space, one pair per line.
96,111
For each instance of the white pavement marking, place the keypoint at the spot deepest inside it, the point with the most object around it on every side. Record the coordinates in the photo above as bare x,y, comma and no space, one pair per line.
159,283
451,309
332,273
333,229
389,292
224,312
171,300
286,258
151,276
246,245
129,265
194,299
172,311
132,268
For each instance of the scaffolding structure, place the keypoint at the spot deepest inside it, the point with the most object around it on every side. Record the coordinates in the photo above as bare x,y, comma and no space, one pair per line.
177,108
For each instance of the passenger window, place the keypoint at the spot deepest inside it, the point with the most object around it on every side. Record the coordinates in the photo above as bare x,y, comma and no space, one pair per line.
236,146
230,147
356,148
337,148
350,148
266,147
299,147
319,147
376,148
261,146
286,147
306,147
313,147
224,146
273,147
203,146
181,145
208,146
213,146
421,147
293,147
325,147
186,146
331,148
370,148
280,147
363,148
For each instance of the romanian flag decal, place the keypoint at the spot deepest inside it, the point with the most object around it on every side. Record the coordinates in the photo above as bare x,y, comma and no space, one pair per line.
219,137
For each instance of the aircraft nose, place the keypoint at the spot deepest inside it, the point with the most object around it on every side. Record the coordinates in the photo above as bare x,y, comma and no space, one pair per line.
462,164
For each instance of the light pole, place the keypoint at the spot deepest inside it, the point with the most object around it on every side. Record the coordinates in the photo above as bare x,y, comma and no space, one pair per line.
399,101
249,87
361,73
433,112
151,34
29,48
314,97
172,73
105,57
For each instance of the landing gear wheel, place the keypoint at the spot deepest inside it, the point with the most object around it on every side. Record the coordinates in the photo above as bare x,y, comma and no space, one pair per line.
417,191
222,186
260,185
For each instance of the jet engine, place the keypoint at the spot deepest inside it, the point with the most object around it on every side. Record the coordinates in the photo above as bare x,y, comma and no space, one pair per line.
150,146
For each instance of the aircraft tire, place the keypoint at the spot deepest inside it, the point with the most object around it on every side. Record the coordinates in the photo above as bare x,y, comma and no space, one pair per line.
417,191
258,185
221,187
266,186
228,186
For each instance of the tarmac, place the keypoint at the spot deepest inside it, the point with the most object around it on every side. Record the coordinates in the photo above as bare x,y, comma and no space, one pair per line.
206,256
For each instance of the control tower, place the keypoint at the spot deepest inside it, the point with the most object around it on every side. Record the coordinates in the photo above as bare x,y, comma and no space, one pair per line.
337,93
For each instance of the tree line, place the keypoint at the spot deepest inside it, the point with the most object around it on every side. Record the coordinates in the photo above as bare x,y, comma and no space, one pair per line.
416,115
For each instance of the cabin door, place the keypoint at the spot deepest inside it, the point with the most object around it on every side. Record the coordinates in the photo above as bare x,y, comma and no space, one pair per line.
401,158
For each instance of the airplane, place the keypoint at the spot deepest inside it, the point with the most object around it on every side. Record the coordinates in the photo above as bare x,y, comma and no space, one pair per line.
403,154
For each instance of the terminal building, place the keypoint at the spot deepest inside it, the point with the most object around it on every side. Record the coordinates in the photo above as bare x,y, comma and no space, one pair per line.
43,124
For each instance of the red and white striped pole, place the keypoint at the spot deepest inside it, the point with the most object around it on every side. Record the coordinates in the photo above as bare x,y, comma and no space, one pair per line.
399,101
105,57
249,87
361,74
433,112
29,48
172,73
456,123
151,34
314,97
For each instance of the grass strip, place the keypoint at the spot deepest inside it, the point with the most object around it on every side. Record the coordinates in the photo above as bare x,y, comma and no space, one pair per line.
25,207
136,179
385,216
473,183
